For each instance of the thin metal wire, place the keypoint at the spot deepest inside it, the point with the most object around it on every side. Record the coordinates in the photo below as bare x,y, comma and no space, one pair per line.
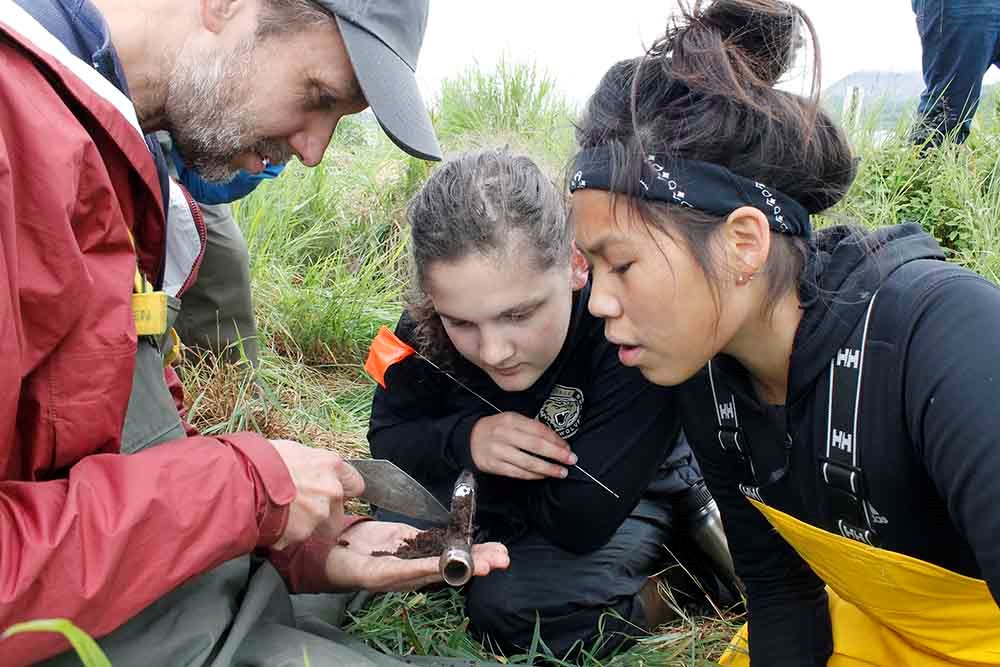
483,399
459,382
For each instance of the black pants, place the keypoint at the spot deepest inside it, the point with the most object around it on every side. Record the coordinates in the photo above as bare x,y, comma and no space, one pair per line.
592,601
588,601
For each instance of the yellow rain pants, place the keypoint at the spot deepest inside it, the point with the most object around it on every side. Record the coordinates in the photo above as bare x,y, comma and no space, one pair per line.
887,608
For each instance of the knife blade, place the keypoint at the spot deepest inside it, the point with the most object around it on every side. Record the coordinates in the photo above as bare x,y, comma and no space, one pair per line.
390,487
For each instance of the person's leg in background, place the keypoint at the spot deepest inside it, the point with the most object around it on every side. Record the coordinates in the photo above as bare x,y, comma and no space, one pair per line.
217,310
959,44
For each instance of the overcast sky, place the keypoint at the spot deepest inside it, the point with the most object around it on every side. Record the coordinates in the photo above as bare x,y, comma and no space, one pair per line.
577,41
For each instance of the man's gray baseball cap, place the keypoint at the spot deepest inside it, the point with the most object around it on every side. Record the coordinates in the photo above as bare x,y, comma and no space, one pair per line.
383,39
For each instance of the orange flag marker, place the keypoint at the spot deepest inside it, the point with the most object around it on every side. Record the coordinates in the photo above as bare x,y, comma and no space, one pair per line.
386,349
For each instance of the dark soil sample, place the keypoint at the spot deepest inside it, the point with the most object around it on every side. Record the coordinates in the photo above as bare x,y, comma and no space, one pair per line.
434,541
423,544
460,521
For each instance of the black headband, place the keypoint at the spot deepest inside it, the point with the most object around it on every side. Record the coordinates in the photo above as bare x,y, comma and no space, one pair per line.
700,185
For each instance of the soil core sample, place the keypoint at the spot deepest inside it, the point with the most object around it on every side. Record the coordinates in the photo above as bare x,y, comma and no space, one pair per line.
428,543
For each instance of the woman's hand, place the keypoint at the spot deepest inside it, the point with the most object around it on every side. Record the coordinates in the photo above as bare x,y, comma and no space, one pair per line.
513,445
350,565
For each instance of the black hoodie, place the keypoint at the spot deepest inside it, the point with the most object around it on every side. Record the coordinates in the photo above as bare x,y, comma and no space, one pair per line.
623,429
928,425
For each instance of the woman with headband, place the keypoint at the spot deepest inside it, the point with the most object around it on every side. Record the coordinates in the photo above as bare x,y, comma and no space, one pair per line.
839,388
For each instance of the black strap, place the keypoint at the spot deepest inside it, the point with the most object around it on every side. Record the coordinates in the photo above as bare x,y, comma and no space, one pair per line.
731,436
841,465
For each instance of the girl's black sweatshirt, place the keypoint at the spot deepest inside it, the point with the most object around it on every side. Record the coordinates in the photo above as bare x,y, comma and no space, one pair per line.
623,429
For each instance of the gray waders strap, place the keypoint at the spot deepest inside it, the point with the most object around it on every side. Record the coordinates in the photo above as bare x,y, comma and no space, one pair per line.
151,417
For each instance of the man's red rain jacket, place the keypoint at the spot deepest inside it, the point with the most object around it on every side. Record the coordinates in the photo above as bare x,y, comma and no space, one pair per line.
85,532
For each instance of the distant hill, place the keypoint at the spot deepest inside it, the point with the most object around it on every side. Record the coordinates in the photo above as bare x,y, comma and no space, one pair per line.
895,93
903,85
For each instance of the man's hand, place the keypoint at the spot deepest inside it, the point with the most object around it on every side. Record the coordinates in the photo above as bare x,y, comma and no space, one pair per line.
350,565
512,445
322,481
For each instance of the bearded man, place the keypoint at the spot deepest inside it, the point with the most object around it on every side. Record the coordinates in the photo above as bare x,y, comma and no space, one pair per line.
113,513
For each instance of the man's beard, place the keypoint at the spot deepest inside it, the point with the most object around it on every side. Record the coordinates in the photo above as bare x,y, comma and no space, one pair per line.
209,117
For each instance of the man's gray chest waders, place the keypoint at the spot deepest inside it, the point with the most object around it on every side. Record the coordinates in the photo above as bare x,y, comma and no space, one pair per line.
151,417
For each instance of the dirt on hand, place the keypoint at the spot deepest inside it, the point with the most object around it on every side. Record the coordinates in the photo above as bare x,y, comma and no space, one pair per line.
422,545
433,542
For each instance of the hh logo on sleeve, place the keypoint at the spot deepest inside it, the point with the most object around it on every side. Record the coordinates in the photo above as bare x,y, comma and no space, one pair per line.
562,410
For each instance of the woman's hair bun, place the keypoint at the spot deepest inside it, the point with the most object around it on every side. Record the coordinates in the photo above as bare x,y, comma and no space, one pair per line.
759,37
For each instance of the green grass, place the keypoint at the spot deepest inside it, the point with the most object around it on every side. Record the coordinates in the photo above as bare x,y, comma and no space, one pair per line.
86,648
514,103
954,192
328,250
434,624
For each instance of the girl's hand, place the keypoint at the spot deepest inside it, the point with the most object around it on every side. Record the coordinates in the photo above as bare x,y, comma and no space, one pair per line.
512,445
